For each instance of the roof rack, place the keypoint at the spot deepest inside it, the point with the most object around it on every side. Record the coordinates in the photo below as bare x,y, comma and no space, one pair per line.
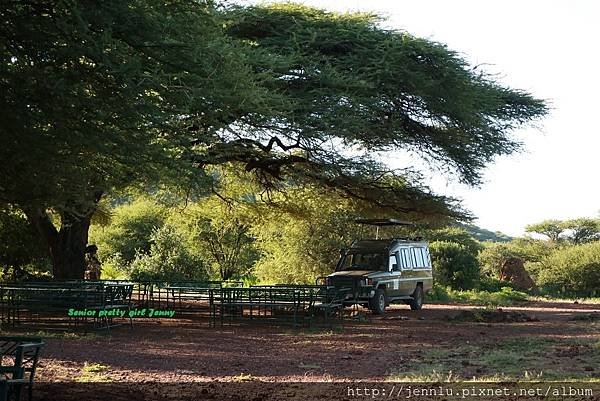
383,223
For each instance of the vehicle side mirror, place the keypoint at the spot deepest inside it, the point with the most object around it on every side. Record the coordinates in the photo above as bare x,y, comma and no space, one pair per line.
395,267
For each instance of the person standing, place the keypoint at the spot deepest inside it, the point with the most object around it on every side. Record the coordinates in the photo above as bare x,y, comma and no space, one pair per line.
93,266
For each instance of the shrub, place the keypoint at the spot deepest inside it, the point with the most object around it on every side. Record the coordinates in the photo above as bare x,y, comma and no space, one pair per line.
219,235
129,230
573,270
169,259
505,296
114,268
493,255
454,265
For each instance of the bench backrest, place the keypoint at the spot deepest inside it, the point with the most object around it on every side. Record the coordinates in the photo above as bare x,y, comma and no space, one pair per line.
22,354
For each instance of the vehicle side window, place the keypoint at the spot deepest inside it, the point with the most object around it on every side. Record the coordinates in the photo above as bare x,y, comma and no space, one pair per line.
406,259
426,262
415,260
419,257
393,265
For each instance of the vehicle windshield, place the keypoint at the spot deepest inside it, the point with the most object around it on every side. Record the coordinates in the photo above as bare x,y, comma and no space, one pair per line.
363,261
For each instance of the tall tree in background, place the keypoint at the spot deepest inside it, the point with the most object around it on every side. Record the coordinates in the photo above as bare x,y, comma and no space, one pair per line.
98,96
549,228
576,231
582,230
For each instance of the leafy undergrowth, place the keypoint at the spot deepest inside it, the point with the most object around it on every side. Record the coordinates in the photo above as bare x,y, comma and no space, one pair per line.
507,296
515,360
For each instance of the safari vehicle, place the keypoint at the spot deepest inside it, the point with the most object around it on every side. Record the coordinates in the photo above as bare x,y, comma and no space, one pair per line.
382,271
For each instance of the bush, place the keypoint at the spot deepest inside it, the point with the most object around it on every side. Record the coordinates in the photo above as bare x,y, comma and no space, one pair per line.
114,268
493,255
573,270
129,230
169,259
454,265
219,235
505,296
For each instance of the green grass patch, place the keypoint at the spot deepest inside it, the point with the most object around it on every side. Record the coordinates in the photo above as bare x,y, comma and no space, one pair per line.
93,372
244,378
514,359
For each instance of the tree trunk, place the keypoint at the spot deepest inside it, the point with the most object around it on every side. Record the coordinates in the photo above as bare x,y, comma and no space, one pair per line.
66,246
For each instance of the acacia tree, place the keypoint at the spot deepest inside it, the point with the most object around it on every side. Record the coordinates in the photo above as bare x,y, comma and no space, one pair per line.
94,95
102,95
549,228
582,230
350,85
577,231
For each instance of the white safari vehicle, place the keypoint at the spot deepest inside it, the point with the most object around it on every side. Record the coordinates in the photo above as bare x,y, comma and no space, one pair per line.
385,270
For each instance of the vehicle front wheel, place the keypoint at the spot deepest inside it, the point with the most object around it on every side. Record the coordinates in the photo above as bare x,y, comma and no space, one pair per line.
417,302
378,302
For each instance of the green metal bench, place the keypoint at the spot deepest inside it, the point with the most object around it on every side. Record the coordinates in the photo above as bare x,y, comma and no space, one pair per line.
39,302
23,355
262,302
110,296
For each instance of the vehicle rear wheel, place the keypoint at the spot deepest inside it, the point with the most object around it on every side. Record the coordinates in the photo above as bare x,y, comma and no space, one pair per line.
377,302
417,302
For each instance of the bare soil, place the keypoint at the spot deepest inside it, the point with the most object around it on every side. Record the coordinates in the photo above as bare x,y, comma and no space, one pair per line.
235,361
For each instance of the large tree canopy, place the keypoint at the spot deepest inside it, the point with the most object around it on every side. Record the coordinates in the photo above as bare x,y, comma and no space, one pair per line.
98,96
351,85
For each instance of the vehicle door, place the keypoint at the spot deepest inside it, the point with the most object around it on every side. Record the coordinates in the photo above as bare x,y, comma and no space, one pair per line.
393,288
407,264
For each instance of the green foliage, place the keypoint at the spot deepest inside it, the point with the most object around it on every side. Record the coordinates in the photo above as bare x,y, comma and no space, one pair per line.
21,251
301,236
129,230
454,264
456,235
93,94
493,255
550,228
114,268
168,259
573,270
217,233
349,79
582,230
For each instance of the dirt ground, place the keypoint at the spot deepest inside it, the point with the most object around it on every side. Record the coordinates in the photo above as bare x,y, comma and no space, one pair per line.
404,345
